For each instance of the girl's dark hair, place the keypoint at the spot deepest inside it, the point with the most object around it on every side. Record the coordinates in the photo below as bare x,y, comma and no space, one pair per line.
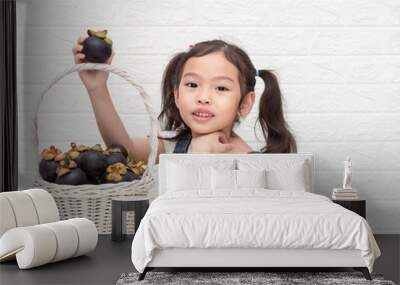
274,127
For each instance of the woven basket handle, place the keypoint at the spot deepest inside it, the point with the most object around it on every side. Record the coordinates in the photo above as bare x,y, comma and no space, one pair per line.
146,99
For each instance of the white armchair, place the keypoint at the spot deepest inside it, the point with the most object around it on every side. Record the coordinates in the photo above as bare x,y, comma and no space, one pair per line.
31,232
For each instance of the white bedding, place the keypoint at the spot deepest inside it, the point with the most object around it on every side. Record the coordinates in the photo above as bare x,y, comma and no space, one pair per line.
251,218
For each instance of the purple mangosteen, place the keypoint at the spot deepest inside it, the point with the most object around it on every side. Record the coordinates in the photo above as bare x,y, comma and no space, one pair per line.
97,47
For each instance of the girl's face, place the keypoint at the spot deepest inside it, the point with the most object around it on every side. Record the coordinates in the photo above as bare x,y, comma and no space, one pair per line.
209,94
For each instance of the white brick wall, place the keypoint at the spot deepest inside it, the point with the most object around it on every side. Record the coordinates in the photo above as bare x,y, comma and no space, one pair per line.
338,63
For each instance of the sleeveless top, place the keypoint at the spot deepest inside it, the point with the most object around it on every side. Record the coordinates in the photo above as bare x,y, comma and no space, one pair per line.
183,145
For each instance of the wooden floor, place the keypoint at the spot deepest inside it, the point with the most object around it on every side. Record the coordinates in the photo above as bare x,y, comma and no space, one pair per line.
110,260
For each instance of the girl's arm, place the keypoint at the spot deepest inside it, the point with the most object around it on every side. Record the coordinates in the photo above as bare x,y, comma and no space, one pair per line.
112,129
109,123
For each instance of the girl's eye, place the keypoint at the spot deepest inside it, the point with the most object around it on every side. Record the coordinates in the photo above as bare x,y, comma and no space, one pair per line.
191,84
222,88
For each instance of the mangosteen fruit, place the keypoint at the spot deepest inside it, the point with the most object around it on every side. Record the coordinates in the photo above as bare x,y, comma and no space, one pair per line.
115,172
118,172
47,170
114,158
114,155
75,176
138,168
69,174
122,149
97,47
75,151
93,162
49,163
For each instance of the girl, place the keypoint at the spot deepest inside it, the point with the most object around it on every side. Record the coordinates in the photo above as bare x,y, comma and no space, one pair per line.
205,91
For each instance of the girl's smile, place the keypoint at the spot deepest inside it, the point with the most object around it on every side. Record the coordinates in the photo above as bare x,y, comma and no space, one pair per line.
202,115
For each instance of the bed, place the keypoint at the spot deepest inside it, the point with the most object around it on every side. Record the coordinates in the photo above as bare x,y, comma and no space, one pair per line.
244,211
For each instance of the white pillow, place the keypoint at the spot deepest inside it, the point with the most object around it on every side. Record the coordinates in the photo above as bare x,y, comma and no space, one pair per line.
183,177
251,178
292,178
281,174
223,179
228,179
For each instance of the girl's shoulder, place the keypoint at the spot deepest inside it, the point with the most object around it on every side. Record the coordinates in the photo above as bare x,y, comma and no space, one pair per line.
169,145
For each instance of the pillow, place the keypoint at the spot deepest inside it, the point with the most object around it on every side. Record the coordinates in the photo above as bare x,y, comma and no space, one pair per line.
223,179
187,177
288,178
228,179
281,174
251,178
187,173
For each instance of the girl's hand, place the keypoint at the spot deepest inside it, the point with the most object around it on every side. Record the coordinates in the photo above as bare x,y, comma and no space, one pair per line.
92,79
211,143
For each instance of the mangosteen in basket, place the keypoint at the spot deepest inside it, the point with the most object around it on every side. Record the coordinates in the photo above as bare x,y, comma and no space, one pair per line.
138,168
121,148
69,174
97,47
49,163
114,155
75,152
118,172
75,176
93,162
114,173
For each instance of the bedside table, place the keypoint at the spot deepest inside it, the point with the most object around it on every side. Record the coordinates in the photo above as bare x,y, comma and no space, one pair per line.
357,206
121,205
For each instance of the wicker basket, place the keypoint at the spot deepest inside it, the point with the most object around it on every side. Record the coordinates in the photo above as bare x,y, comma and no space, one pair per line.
94,201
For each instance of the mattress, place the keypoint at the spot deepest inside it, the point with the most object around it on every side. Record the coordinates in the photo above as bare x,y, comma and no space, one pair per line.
250,218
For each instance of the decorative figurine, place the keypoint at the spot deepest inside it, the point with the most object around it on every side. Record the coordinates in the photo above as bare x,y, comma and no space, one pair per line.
347,174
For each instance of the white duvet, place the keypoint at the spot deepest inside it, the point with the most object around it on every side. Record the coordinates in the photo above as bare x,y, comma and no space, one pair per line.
253,218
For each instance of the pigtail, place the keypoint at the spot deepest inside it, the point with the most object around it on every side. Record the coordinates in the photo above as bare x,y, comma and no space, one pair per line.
275,130
169,116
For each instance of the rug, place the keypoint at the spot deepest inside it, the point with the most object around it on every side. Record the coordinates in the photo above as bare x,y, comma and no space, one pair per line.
269,278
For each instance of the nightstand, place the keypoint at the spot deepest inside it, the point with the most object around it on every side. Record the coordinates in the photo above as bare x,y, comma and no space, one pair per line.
122,205
357,206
